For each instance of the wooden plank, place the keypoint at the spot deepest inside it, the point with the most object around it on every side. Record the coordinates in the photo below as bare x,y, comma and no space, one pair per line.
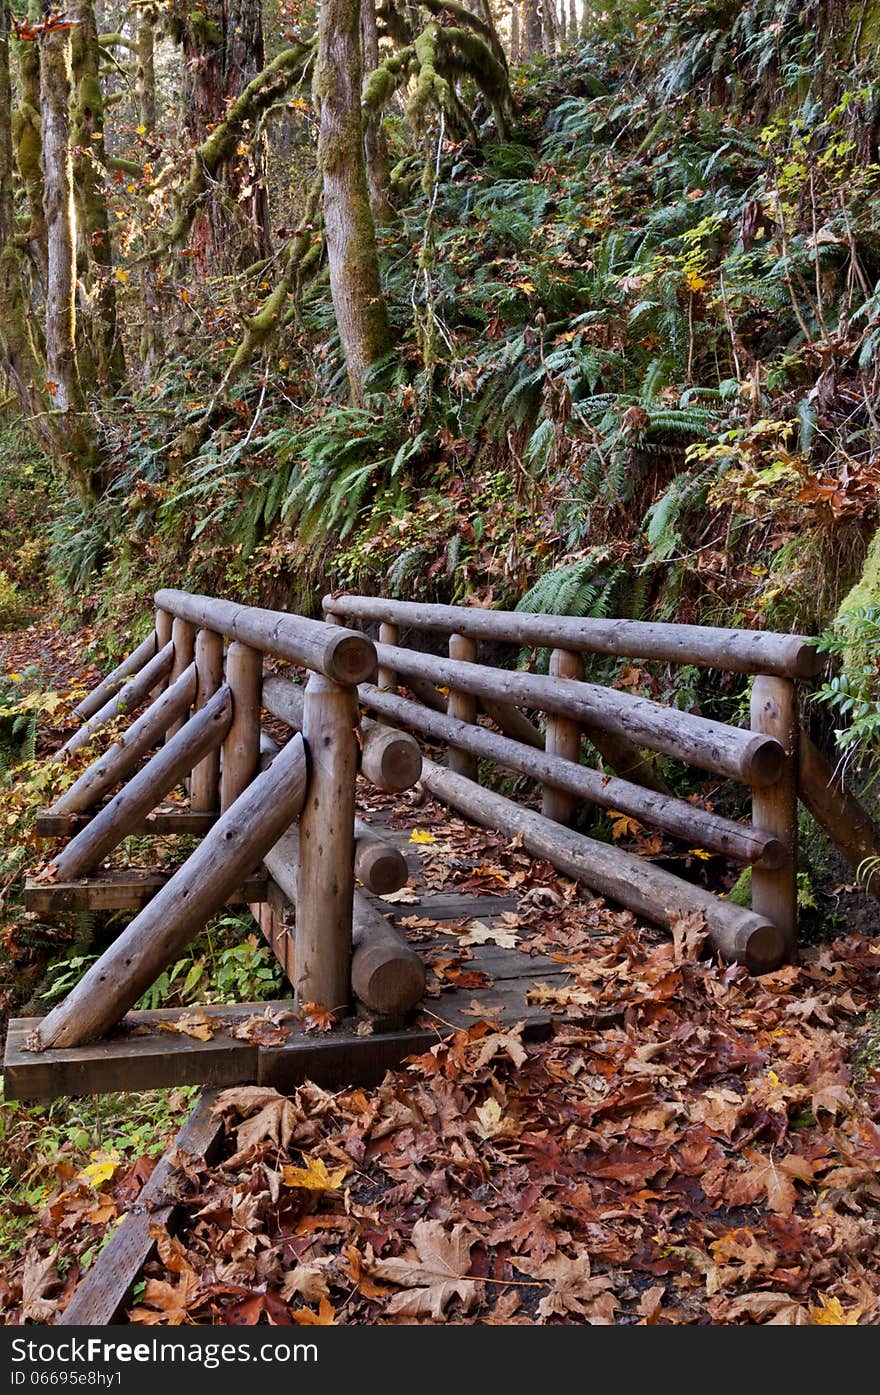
161,823
137,1057
102,1292
450,906
341,1057
119,891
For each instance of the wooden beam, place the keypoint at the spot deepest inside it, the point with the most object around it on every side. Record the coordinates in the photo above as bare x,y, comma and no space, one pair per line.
843,817
198,889
325,883
696,826
160,823
739,935
123,756
344,655
102,1293
737,651
120,891
146,789
774,712
241,745
183,638
563,738
110,685
743,755
463,707
205,778
136,691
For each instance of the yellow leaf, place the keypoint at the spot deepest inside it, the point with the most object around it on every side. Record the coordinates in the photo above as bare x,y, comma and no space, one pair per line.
324,1317
833,1314
421,835
121,275
100,1169
694,281
700,852
314,1177
142,130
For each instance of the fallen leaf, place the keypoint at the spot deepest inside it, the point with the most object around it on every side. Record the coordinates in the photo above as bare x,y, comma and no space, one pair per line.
314,1177
434,1272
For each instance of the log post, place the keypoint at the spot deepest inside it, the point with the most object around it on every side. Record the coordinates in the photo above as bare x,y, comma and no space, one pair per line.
563,738
463,706
164,622
387,678
154,939
378,865
391,760
183,638
241,749
325,887
205,780
774,712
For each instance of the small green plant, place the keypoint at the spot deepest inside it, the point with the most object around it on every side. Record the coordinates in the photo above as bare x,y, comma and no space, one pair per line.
853,693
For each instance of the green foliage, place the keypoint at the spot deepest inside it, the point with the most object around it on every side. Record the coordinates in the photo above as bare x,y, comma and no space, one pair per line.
852,694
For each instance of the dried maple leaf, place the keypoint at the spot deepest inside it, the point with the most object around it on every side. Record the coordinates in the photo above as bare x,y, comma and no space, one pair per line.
479,933
506,1043
688,936
167,1303
832,1313
780,1308
38,1277
324,1317
275,1119
314,1177
309,1281
434,1272
192,1024
316,1017
574,1290
770,1177
264,1029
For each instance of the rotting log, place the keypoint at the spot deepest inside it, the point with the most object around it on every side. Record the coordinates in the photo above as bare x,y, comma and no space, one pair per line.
563,738
183,640
233,848
145,789
325,885
774,712
695,826
110,685
241,745
386,973
739,935
390,759
123,756
737,651
463,707
205,779
136,691
743,755
842,816
344,655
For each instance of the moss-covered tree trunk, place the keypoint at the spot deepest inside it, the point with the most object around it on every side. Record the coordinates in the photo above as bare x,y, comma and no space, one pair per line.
361,313
375,144
95,250
152,337
515,40
27,140
533,27
63,384
223,50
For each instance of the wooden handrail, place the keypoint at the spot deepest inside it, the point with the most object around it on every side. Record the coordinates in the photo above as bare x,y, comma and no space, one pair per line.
737,651
346,656
743,755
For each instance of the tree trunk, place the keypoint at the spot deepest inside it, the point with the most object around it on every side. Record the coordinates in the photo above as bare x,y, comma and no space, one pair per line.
532,28
515,40
361,313
223,50
548,27
375,143
95,252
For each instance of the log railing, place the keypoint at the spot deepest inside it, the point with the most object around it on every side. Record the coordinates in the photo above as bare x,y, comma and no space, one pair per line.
769,757
187,705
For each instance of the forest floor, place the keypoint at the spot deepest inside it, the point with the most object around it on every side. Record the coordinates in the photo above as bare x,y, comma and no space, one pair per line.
691,1145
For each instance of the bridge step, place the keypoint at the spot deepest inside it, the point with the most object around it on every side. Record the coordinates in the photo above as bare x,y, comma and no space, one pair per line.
163,821
120,891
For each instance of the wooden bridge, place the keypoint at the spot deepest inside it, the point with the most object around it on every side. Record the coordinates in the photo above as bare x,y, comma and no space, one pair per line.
278,827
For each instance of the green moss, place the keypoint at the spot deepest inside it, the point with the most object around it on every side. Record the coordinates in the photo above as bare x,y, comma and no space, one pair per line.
741,892
26,134
866,592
